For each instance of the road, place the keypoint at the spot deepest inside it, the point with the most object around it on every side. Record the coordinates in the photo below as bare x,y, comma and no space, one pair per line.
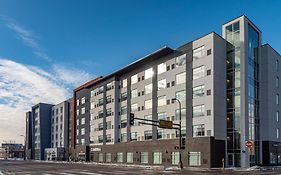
10,167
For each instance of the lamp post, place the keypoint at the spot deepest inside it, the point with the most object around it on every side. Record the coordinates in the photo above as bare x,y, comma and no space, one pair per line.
180,144
24,147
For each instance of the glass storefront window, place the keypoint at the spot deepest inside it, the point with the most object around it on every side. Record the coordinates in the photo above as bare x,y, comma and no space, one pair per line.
119,157
144,157
175,158
157,158
194,158
130,157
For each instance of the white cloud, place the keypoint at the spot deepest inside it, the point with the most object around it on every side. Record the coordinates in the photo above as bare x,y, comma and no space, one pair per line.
27,37
22,86
71,76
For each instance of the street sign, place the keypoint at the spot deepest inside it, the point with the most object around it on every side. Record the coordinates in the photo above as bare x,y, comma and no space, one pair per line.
166,124
249,143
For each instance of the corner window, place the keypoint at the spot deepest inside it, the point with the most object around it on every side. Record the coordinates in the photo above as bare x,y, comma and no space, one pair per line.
124,83
148,89
161,68
198,53
181,60
148,73
134,79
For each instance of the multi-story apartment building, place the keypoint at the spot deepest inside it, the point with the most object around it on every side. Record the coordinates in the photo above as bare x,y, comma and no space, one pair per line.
59,132
228,88
81,122
28,136
41,130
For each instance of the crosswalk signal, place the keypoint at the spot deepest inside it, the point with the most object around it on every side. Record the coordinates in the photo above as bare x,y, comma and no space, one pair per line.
132,118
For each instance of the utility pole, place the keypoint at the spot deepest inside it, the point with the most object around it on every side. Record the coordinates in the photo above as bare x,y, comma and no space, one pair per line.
180,140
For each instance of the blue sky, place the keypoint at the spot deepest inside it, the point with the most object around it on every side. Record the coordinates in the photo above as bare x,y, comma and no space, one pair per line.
64,43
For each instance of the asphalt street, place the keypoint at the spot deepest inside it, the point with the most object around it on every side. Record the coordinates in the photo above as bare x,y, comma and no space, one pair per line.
49,168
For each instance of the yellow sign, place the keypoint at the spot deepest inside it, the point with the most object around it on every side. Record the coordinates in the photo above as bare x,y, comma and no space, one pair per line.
166,124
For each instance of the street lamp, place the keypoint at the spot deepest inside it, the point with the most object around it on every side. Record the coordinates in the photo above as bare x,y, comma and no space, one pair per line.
24,147
180,162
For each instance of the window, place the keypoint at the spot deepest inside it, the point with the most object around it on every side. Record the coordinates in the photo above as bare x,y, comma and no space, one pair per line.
108,99
277,82
161,84
181,78
119,157
144,157
277,116
161,134
109,86
124,83
124,123
198,130
82,121
183,114
92,105
198,72
92,93
198,91
198,110
124,110
181,60
175,158
198,53
134,136
100,139
130,157
124,137
277,99
100,126
77,132
148,117
83,131
194,158
162,115
134,93
162,100
77,112
134,107
181,95
77,102
148,73
209,52
108,112
77,122
82,141
134,79
148,135
157,158
277,133
101,89
108,125
83,110
100,101
124,96
148,104
161,68
108,157
83,100
100,157
148,89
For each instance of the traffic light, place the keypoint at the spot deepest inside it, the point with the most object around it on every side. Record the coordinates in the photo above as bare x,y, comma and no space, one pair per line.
132,118
183,143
